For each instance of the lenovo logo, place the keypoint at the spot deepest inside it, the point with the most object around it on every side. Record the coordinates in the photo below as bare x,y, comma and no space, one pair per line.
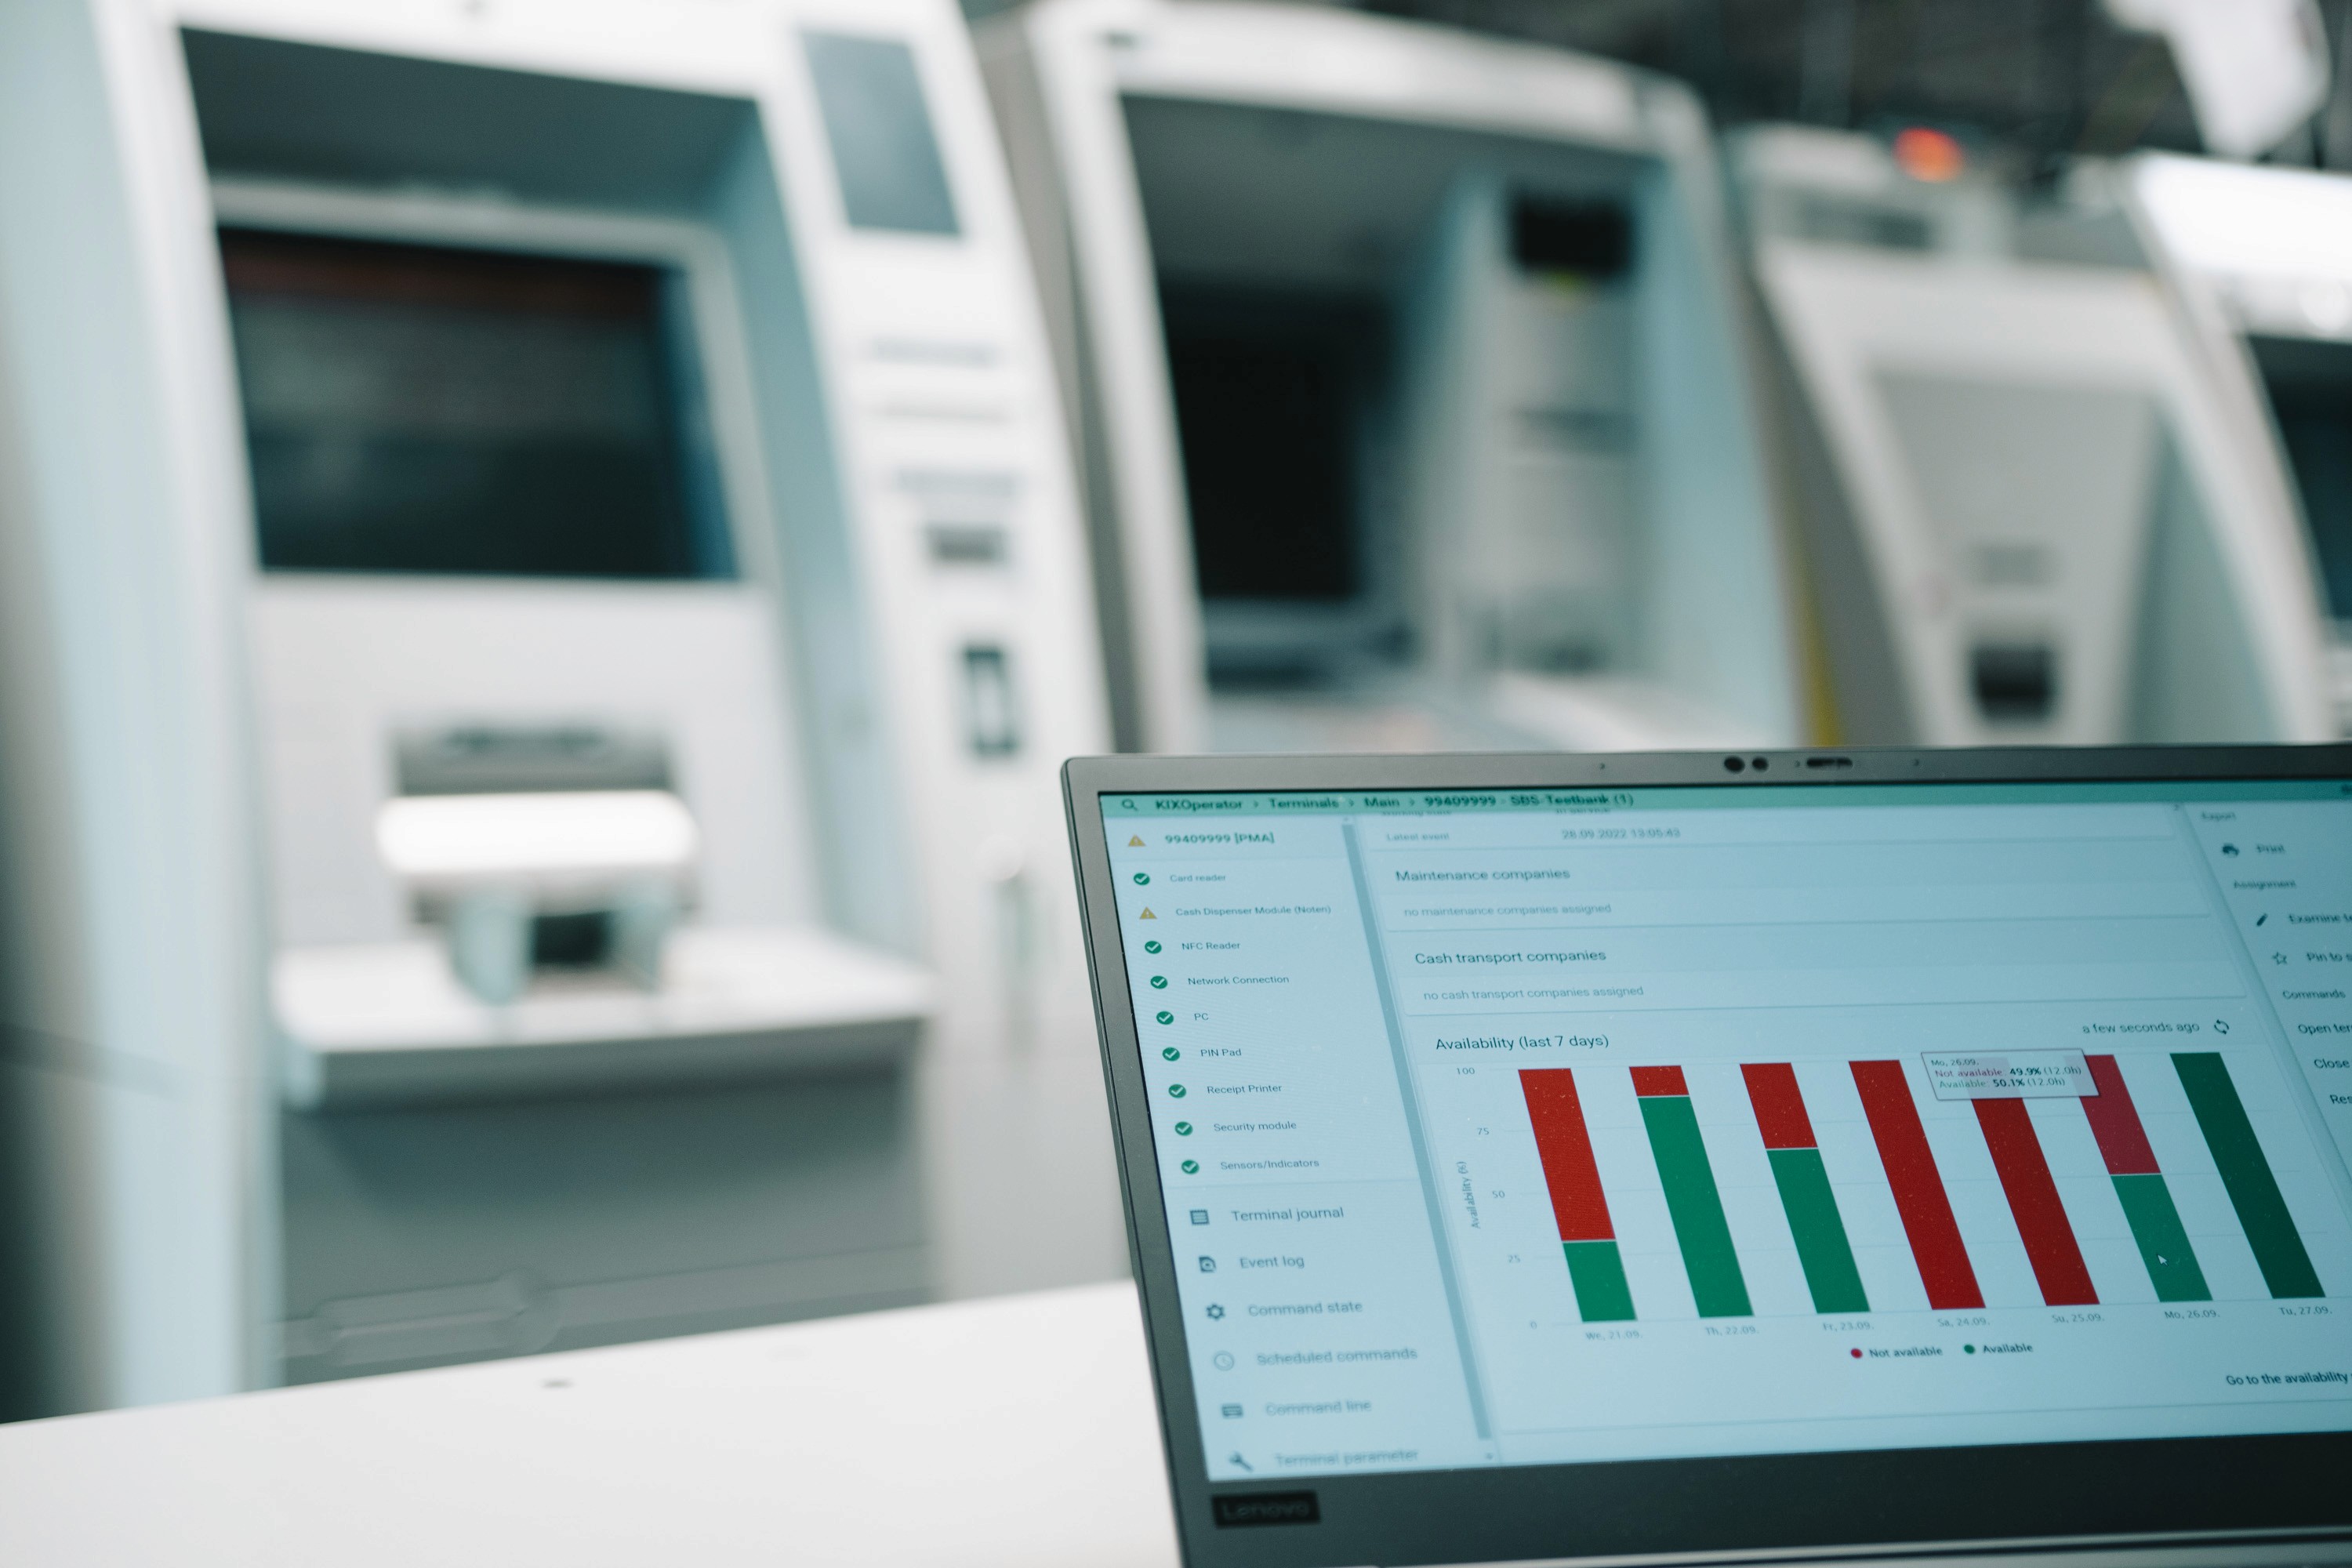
1266,1508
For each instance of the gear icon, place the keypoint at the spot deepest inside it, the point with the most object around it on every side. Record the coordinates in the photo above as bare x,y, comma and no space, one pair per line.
1215,1310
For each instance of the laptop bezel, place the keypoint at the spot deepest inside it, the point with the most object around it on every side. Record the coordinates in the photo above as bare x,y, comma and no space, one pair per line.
2141,1492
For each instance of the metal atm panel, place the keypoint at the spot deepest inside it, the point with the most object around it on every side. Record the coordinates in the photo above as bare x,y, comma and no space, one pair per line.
2255,259
1410,382
2029,515
813,744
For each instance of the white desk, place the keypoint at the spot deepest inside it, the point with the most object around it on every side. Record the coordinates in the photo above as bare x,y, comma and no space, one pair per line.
1014,1431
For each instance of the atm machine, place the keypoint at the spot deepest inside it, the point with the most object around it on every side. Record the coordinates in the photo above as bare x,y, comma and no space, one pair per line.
2028,514
2259,260
575,502
1409,375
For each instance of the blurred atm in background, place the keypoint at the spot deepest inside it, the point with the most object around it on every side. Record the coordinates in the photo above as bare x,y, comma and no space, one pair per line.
2032,514
2261,259
551,544
1410,376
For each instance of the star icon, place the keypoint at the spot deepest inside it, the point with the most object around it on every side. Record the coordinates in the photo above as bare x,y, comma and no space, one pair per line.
1215,1310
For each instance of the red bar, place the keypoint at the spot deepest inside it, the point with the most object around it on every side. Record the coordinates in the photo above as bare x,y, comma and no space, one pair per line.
2041,1220
2114,1122
1649,1082
1780,1107
1557,1116
1918,1186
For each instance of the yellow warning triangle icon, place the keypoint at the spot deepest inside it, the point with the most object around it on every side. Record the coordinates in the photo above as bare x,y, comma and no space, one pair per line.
1135,841
1147,915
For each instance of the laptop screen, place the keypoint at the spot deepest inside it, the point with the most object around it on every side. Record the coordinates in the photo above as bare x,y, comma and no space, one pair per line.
1538,1127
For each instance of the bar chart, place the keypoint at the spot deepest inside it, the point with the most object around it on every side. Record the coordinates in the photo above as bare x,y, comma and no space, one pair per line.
1951,1261
1804,1184
1588,1239
1700,1228
1918,1184
2040,1214
2246,1172
2148,1208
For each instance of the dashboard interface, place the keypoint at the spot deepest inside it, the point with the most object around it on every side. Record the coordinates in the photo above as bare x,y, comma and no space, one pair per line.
1537,1127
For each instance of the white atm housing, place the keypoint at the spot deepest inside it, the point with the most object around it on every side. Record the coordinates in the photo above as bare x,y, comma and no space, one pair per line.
2029,517
557,928
395,670
2261,263
1410,376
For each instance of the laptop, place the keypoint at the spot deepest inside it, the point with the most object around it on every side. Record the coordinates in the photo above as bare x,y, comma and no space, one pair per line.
1762,1156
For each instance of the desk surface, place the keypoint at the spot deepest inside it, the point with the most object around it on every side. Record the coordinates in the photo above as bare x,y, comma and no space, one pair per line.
1019,1430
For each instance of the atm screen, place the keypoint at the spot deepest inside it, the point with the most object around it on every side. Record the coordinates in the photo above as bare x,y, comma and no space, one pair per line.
412,408
2310,385
1270,390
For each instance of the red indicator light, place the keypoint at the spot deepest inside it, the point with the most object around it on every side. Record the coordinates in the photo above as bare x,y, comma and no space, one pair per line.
1934,156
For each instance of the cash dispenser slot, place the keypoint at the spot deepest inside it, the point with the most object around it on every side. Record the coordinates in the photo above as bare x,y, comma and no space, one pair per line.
559,849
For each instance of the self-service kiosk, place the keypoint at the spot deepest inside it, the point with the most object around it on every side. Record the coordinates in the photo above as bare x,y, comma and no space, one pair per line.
1410,376
2028,516
2261,263
575,502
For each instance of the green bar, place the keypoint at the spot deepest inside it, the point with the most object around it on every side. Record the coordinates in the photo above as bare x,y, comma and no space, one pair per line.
1599,1276
1813,1219
2163,1243
1697,1208
2253,1191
